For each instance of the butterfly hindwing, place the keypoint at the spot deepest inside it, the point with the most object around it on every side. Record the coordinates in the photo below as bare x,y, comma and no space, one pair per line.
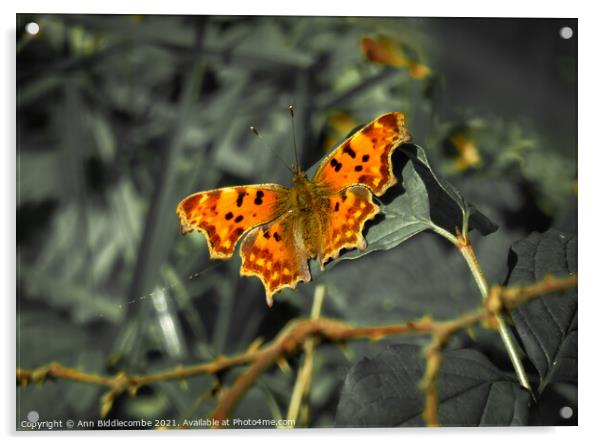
349,210
274,254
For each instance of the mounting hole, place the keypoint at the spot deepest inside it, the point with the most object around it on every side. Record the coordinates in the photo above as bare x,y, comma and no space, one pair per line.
566,412
566,32
32,28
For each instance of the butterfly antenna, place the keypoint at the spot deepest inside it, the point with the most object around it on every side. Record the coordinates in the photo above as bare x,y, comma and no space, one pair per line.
292,111
256,133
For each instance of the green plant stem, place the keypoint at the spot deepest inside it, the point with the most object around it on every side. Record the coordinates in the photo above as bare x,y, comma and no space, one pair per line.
303,382
467,252
477,273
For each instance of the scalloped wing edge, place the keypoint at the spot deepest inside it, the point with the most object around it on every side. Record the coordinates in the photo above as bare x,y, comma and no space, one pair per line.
361,243
403,137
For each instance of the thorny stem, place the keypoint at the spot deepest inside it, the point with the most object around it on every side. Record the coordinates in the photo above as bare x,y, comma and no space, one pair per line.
498,299
295,334
463,244
511,348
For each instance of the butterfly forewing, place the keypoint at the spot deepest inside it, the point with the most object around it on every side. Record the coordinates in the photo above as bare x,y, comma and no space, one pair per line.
224,215
365,157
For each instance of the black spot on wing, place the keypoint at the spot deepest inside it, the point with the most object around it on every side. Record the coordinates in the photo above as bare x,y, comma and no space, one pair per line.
336,164
241,197
229,215
348,150
259,198
238,219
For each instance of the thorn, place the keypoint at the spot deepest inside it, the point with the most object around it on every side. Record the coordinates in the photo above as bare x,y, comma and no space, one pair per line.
255,345
283,365
347,352
458,233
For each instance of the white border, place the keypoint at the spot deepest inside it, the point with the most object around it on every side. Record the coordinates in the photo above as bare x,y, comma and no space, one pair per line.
590,147
422,8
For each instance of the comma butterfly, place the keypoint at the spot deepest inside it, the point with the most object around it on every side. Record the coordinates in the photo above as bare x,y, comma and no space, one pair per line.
316,218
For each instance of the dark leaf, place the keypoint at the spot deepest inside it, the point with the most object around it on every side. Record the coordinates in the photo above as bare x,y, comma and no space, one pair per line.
547,326
443,196
384,391
423,277
420,201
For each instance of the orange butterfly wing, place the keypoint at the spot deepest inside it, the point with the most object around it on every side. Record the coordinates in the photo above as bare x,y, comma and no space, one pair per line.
349,210
273,248
224,215
275,255
365,157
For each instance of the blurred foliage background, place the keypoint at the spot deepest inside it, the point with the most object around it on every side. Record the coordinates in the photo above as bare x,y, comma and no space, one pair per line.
120,117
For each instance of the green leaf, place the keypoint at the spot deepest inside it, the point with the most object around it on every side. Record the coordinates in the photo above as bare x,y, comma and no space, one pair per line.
384,391
547,326
420,201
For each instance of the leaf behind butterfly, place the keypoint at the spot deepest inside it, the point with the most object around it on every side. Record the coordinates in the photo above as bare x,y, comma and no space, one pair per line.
419,201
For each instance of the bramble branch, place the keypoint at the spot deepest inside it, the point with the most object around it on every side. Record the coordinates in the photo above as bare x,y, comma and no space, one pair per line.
498,299
464,245
292,338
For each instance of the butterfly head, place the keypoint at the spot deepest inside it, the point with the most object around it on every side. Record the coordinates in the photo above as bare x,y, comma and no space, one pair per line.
299,175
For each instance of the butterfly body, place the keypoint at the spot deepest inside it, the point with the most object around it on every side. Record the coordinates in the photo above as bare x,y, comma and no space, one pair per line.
316,218
308,205
305,196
